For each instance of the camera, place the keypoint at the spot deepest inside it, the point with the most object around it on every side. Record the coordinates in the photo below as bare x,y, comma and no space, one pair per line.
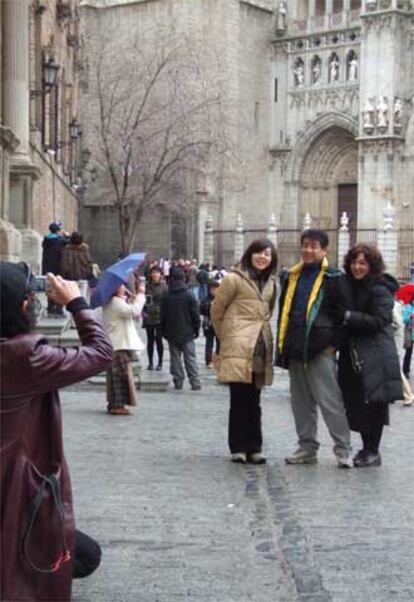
38,284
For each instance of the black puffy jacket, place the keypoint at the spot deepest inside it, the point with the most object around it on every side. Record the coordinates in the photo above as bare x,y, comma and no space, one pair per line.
370,336
180,319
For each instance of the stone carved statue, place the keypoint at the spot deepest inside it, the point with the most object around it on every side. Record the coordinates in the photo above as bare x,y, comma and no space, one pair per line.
334,69
368,115
353,69
344,221
299,74
398,111
316,72
382,113
281,18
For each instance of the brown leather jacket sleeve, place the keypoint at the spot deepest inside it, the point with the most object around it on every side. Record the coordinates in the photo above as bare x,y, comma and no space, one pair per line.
55,367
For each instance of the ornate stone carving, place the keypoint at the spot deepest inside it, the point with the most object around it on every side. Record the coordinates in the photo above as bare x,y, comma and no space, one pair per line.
279,154
299,73
398,113
382,114
281,18
316,71
333,68
353,67
368,114
344,221
307,221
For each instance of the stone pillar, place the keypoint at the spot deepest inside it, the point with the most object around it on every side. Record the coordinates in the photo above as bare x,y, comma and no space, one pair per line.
209,240
15,92
387,240
272,230
238,239
202,218
312,4
15,116
343,238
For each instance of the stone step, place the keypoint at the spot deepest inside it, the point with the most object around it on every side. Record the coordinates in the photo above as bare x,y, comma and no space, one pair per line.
146,380
53,326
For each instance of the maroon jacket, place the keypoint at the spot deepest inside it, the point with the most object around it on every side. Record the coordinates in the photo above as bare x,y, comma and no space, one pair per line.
31,371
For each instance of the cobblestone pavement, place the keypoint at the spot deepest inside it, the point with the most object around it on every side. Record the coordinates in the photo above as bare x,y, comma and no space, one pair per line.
177,521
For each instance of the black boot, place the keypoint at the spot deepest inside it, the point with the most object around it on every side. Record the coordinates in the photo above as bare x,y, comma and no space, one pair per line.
150,366
159,366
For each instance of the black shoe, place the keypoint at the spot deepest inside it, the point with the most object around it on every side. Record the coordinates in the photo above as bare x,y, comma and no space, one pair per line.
256,458
358,456
159,366
178,386
196,387
368,459
150,366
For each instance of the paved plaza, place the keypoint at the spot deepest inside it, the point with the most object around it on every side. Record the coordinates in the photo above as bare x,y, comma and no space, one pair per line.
178,521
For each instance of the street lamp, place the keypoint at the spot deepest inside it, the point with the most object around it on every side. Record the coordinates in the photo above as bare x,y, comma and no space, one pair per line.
74,128
50,69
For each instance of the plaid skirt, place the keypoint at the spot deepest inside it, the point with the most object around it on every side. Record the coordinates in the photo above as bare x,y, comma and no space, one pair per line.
120,385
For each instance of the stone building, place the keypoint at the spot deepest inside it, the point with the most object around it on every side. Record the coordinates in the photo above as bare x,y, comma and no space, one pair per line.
322,94
39,41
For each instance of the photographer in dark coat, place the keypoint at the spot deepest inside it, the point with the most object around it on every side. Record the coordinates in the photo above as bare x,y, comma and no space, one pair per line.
369,371
40,550
180,325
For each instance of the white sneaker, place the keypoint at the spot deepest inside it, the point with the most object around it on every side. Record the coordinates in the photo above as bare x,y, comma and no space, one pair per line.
344,461
239,458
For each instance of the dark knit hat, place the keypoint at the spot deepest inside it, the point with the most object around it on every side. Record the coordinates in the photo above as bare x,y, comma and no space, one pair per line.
14,289
55,227
177,275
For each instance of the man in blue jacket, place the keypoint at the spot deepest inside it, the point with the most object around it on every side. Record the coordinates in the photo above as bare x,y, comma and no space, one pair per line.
180,325
309,335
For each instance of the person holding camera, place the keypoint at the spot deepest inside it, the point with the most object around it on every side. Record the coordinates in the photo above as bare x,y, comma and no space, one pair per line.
40,549
118,316
155,288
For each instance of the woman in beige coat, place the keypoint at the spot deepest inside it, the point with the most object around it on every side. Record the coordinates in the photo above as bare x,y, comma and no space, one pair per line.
241,313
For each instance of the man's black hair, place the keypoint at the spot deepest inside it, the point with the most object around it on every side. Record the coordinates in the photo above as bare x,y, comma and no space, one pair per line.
316,234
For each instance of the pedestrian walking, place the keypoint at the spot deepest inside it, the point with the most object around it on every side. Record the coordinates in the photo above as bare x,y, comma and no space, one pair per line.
76,263
207,324
241,313
408,319
180,325
309,334
203,279
155,288
118,316
40,550
369,368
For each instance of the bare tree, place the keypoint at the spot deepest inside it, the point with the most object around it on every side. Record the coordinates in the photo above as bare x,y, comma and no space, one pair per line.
157,121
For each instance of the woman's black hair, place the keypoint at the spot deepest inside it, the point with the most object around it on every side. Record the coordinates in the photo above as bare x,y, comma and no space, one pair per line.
371,254
257,246
76,238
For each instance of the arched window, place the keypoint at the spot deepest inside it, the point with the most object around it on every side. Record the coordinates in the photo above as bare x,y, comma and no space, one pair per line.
355,4
320,7
337,6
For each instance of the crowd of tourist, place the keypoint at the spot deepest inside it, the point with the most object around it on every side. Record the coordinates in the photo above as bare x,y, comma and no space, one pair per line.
335,336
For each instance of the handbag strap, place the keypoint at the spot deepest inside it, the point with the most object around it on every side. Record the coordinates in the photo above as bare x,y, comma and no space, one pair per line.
65,555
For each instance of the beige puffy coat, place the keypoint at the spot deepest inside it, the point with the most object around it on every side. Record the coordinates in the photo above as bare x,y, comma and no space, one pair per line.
239,312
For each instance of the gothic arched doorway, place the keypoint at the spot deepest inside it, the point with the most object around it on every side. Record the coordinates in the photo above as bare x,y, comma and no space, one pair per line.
328,181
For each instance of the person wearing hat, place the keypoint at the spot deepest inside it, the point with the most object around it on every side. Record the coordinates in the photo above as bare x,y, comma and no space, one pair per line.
40,549
180,325
52,246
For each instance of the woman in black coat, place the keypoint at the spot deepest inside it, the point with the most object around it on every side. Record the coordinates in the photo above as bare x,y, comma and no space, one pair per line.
369,372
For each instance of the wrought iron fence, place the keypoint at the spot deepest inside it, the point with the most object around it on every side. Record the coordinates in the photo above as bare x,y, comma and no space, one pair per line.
288,243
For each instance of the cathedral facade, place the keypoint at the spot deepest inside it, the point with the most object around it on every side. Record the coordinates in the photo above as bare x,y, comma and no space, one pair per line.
322,99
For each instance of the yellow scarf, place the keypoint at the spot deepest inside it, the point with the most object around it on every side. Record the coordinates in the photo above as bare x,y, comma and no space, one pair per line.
294,275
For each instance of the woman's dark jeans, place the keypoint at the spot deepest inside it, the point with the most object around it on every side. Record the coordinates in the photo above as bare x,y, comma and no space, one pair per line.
245,419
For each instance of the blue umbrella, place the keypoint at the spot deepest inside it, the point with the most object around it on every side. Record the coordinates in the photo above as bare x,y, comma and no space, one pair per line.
117,274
